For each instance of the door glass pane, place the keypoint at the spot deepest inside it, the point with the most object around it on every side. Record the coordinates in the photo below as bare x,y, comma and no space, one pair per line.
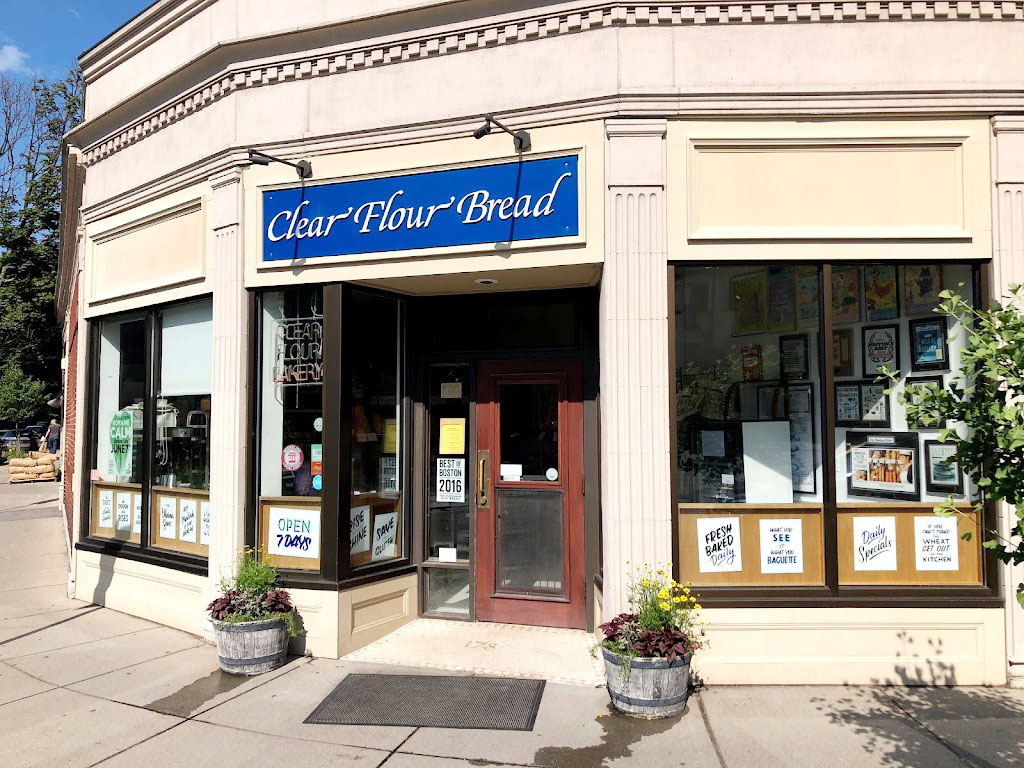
447,591
529,432
529,550
448,496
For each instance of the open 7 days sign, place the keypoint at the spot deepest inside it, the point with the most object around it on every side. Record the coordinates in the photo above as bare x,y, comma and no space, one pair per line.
504,203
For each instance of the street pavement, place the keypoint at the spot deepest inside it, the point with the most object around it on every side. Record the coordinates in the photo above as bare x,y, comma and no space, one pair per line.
82,686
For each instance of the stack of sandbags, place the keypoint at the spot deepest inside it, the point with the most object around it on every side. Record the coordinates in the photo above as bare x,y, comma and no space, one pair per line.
38,466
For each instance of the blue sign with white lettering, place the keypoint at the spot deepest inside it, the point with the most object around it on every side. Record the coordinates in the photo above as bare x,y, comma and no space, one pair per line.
524,200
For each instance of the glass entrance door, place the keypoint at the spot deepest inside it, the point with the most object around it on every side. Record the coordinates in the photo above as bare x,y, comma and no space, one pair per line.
529,505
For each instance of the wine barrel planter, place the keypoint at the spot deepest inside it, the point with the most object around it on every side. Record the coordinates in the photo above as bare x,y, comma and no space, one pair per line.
251,647
652,688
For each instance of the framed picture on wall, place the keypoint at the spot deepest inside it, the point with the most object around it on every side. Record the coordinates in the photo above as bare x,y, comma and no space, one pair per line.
923,381
845,295
882,465
874,404
749,297
771,402
807,297
848,405
942,470
800,402
880,346
842,352
929,350
750,357
793,357
781,299
881,293
921,286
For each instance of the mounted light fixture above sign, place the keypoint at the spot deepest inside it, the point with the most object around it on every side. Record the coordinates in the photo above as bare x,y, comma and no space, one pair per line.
520,139
303,168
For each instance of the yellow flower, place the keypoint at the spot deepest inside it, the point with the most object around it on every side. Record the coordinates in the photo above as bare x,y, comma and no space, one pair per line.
646,583
664,606
677,599
697,606
686,590
703,623
663,594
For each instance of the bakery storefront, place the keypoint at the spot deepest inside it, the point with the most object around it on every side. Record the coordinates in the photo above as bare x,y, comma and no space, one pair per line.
443,371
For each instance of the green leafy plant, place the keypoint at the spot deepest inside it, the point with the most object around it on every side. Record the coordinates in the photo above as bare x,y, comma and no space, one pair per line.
664,619
252,594
987,395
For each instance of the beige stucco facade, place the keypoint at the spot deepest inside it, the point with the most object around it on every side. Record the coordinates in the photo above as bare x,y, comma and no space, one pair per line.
706,133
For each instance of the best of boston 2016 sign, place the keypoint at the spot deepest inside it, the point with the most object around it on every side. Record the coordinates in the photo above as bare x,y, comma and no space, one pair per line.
500,203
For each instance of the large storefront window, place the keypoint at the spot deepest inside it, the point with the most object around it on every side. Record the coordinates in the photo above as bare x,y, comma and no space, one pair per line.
158,499
756,504
748,394
291,475
373,347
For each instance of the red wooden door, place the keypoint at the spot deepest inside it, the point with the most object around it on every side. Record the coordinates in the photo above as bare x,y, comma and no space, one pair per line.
529,495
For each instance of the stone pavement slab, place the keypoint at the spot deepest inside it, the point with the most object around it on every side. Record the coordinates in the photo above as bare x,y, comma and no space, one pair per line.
202,744
25,579
16,685
280,706
63,629
825,726
67,729
80,662
984,725
23,563
503,650
34,601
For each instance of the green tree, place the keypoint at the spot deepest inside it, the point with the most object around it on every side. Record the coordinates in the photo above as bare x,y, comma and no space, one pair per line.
30,186
988,396
21,397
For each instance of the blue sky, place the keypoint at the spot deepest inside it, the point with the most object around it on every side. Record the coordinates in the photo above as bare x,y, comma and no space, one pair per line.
43,38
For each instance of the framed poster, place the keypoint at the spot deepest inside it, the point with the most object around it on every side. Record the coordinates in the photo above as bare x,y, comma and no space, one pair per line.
807,297
751,361
842,352
749,295
929,350
942,471
793,357
800,400
845,295
874,405
781,299
882,465
881,293
880,346
848,405
921,286
923,381
874,543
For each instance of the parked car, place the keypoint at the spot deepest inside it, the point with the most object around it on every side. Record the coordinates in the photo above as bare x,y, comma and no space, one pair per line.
29,440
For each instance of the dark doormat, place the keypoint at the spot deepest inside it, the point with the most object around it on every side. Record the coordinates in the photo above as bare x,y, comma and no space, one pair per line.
432,701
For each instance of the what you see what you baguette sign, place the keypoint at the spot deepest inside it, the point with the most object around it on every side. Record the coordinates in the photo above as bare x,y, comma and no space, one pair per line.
478,206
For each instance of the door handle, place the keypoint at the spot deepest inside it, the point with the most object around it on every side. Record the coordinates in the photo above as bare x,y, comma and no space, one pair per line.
483,479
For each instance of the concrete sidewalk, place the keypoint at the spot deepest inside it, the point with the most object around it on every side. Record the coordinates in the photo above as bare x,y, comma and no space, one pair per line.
83,686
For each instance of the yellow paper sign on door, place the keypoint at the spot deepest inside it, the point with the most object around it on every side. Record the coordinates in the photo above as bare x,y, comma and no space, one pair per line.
391,436
452,437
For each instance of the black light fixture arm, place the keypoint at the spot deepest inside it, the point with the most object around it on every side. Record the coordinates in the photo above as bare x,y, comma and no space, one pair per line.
521,139
303,168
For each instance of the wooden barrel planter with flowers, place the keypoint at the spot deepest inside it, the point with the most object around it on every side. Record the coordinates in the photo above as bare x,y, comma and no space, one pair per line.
650,687
251,647
647,652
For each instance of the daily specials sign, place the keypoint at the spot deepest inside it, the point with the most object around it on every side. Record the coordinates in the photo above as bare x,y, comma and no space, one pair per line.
507,202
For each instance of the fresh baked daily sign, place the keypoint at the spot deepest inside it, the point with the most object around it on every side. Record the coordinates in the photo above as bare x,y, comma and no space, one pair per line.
483,205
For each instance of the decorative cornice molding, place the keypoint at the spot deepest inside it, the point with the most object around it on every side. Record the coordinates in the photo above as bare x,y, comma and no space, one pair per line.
610,14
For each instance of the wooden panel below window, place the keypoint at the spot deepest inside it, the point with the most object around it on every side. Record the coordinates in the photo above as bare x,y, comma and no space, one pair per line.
750,566
180,510
906,572
105,498
304,503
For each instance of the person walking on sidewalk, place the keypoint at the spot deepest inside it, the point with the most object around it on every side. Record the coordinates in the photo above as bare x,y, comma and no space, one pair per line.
53,436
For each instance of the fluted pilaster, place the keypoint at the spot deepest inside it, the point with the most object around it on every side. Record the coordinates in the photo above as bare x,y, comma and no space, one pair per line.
636,502
230,378
1008,268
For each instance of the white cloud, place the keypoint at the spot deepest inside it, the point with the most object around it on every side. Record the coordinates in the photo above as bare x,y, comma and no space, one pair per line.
74,12
12,59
